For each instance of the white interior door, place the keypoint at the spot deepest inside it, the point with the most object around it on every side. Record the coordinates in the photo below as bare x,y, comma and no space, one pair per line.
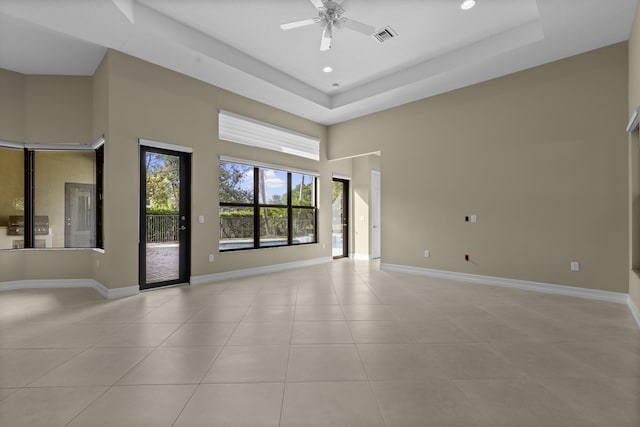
375,214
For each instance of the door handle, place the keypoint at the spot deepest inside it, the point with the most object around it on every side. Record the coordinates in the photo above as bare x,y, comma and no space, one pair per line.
183,227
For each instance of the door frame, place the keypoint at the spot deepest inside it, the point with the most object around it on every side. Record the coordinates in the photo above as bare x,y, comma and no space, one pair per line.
375,213
345,219
184,235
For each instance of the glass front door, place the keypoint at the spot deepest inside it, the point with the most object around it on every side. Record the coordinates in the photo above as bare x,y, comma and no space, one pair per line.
340,215
164,217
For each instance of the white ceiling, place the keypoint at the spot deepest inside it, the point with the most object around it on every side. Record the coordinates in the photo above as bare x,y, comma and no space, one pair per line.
238,45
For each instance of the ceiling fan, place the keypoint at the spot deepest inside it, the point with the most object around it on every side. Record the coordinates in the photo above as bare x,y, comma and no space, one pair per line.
330,16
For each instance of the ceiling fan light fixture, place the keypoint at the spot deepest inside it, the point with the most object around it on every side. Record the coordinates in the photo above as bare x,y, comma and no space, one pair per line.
327,69
467,4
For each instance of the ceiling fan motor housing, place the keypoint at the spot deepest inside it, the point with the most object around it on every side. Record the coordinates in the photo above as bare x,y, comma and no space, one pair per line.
331,11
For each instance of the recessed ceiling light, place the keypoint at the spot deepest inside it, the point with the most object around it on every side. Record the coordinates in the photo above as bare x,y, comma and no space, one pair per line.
467,4
327,69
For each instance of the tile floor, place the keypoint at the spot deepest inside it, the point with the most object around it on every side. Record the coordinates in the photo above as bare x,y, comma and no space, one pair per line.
340,344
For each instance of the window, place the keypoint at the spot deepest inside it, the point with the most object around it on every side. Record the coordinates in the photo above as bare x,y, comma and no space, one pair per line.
265,206
52,197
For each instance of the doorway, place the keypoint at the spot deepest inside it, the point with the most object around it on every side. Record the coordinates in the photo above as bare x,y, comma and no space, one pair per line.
340,218
165,189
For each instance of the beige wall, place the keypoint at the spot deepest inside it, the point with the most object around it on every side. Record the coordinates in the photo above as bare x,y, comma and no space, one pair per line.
100,109
539,156
146,101
58,109
12,107
634,163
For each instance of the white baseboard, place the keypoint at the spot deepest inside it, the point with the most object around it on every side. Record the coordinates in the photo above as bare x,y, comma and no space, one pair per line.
594,294
235,274
70,283
634,310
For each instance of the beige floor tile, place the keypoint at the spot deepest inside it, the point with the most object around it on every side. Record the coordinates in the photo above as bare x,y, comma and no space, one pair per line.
470,360
99,366
140,335
155,406
517,358
542,360
419,403
367,312
5,392
18,336
604,358
348,404
244,364
21,367
46,407
232,405
358,298
380,332
275,299
73,335
117,314
231,300
508,403
605,401
196,334
305,313
172,365
219,314
325,363
482,327
322,298
398,362
269,313
261,333
169,314
329,332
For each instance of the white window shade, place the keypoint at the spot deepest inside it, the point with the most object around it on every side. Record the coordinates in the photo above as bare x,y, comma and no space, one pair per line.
244,130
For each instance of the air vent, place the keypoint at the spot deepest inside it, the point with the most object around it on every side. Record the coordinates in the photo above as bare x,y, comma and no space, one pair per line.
385,34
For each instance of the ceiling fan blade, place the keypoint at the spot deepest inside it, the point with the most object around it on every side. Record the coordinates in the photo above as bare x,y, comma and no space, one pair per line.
317,3
298,24
358,26
327,35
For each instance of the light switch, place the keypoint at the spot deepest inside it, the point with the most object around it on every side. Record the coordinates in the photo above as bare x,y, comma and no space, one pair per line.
201,219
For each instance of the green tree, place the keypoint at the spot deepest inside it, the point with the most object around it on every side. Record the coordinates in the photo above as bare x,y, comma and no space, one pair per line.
163,182
232,176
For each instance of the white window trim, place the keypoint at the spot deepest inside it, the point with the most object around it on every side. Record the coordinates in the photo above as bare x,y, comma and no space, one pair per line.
164,145
53,147
264,165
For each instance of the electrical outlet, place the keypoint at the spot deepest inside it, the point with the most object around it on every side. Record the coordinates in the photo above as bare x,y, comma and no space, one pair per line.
211,258
474,218
427,254
575,266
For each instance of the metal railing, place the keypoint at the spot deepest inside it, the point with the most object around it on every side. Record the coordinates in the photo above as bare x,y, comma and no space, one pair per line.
162,228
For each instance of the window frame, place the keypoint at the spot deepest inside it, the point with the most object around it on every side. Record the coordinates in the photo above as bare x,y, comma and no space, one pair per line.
257,206
30,166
